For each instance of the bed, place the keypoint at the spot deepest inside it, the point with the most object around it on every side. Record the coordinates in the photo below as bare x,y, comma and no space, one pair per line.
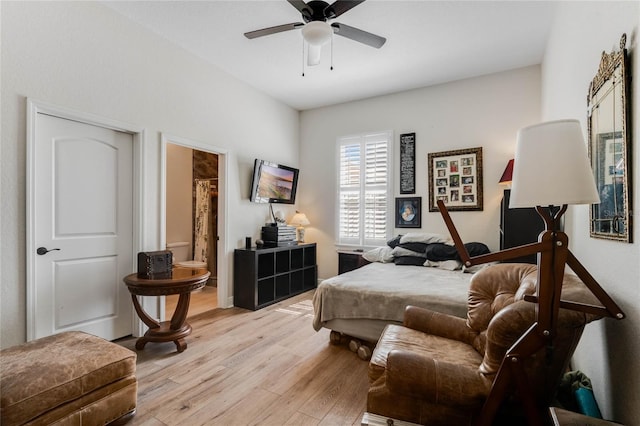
360,303
420,269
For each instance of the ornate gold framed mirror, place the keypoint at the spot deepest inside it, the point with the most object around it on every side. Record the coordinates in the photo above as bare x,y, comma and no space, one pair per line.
609,150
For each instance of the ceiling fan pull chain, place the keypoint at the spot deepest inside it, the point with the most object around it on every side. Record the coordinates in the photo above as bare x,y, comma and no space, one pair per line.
331,51
303,57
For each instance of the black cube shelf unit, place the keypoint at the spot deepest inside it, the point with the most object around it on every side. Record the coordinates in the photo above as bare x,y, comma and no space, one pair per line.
266,276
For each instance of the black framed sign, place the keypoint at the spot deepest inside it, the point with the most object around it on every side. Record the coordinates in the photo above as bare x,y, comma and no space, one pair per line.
408,163
455,177
408,212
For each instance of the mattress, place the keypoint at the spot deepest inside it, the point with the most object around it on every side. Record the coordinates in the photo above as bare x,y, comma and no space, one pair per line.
362,301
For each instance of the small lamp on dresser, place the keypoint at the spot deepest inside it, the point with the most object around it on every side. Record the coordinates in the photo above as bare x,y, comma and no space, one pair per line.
507,175
299,220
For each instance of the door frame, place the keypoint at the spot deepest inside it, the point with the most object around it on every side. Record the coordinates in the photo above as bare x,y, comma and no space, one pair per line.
35,107
223,226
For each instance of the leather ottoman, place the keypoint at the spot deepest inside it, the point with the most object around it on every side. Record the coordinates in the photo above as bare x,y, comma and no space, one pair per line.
71,378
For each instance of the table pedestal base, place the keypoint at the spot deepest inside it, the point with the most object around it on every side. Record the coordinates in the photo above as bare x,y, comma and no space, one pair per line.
164,333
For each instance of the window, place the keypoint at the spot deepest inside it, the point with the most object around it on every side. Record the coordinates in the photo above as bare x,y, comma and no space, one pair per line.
364,178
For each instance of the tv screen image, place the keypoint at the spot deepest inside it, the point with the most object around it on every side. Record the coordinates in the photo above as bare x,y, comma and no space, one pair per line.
273,183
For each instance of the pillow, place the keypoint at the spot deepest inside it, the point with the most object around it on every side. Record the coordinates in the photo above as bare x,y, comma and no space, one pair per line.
417,247
394,241
409,260
439,252
476,249
379,254
449,265
400,251
417,237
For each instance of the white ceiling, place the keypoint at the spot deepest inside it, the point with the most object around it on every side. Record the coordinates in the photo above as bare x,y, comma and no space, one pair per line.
428,42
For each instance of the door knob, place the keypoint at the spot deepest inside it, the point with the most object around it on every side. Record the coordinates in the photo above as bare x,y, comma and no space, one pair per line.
43,250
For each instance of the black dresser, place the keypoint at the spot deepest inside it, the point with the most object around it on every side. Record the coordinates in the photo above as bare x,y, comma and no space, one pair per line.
518,227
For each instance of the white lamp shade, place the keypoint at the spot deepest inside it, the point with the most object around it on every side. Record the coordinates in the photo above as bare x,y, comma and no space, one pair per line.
299,219
551,166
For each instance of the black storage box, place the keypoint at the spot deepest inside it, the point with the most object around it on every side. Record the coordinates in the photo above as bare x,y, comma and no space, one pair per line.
155,264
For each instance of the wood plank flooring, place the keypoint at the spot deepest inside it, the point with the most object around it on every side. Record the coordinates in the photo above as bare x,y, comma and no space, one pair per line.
202,300
267,367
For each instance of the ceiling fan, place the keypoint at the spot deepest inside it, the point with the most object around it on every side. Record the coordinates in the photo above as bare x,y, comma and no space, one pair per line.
316,31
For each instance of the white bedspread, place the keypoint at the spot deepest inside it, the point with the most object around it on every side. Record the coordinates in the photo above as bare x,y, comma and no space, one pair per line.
383,290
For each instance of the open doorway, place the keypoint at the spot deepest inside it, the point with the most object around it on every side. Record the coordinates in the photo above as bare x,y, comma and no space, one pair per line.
193,210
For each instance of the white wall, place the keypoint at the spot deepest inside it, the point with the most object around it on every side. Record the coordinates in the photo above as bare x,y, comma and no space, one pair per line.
480,112
609,350
179,195
85,57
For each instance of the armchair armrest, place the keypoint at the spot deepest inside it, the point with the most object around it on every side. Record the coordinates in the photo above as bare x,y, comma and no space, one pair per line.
439,382
438,324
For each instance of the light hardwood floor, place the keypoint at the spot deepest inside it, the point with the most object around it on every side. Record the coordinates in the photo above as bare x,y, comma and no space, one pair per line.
267,367
203,300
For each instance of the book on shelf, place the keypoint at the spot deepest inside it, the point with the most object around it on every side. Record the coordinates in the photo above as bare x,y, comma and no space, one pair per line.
279,238
279,229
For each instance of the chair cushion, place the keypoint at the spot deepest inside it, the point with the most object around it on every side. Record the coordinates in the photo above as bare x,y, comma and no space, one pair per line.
430,346
46,373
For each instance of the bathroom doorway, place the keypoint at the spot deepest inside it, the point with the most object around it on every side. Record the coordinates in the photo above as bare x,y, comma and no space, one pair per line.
193,190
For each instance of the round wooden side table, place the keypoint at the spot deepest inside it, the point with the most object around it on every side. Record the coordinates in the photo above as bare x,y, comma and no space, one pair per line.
182,281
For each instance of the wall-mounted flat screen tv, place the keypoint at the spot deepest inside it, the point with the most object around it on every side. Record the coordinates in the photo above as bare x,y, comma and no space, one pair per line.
273,183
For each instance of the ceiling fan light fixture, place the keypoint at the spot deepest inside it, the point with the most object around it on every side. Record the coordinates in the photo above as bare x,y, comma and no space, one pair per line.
317,33
314,54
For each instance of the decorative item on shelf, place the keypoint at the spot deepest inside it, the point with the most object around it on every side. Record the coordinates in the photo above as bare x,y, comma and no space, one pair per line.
553,171
155,264
507,175
299,220
278,220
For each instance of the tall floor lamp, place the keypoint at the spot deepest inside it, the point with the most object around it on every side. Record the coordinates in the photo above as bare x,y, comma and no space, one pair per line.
551,169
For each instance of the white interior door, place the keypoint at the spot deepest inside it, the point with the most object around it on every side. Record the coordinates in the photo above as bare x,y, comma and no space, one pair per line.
82,183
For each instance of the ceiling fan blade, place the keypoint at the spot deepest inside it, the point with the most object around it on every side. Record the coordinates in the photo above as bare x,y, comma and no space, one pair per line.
314,53
339,7
302,7
358,35
273,30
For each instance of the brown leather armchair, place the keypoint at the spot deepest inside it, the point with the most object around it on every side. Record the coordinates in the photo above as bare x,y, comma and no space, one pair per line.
437,369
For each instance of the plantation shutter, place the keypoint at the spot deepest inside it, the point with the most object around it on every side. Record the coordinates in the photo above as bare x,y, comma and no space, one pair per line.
364,179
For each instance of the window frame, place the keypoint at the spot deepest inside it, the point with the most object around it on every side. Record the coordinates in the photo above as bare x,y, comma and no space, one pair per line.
362,139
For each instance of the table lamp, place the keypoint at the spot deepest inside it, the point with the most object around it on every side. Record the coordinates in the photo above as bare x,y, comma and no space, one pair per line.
553,171
507,175
299,220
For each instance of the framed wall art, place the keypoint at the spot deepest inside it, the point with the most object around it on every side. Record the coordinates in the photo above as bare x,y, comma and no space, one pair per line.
408,212
455,177
408,163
